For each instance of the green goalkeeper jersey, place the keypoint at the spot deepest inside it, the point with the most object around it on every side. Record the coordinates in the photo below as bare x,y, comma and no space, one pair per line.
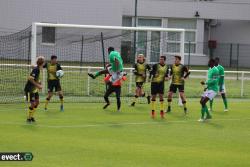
213,79
113,57
221,74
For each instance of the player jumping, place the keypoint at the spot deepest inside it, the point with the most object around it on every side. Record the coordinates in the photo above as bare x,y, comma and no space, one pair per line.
222,88
210,91
178,72
115,68
113,87
32,88
140,71
53,81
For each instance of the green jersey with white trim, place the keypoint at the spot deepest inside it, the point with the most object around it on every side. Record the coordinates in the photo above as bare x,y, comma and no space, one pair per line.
221,74
213,79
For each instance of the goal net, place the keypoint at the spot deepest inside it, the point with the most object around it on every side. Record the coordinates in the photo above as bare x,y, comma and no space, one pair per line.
81,49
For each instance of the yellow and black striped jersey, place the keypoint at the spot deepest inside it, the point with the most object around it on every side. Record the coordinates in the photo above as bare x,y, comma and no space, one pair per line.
178,73
51,70
30,87
159,72
140,71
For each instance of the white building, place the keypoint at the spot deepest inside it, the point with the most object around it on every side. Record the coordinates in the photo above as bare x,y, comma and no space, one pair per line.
225,21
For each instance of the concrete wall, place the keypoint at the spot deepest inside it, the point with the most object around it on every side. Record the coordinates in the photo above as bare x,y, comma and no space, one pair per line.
18,14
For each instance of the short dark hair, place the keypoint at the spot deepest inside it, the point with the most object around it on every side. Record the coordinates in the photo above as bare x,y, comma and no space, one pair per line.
110,49
178,57
53,57
164,57
217,59
211,61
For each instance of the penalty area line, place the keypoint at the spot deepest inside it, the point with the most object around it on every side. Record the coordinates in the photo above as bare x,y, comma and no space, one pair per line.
117,124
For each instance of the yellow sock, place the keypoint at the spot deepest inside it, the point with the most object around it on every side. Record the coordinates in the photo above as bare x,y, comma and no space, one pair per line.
162,105
135,99
46,103
153,105
30,112
61,100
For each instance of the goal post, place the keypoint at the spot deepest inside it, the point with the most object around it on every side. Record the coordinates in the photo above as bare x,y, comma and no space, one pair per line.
170,43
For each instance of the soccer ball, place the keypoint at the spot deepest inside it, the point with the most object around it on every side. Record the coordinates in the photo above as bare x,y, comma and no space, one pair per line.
59,73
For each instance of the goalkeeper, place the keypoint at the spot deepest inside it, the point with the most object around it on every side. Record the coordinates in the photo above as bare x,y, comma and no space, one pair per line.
113,87
53,81
115,68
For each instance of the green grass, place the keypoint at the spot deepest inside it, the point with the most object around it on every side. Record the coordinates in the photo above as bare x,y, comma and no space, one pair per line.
85,135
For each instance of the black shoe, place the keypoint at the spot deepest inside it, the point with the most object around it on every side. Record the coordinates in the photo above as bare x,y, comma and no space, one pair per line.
133,104
169,109
104,107
91,75
185,110
32,119
28,120
148,98
143,95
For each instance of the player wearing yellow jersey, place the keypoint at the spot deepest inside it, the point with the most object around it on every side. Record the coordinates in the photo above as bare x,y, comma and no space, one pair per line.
140,72
32,88
158,76
178,72
53,81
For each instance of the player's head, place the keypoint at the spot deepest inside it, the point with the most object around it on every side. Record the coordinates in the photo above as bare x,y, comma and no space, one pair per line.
177,60
211,63
140,58
217,61
53,59
162,59
110,49
40,61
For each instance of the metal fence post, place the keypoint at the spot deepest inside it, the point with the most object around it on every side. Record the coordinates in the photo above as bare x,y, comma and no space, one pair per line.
130,81
242,84
88,83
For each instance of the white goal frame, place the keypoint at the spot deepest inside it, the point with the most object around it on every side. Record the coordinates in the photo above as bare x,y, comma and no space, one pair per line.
37,24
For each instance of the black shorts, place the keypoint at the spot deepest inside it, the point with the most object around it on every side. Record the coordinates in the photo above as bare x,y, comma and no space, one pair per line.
173,88
139,84
30,97
157,88
54,84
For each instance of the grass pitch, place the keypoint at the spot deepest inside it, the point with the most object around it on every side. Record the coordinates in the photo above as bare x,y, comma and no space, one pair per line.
86,135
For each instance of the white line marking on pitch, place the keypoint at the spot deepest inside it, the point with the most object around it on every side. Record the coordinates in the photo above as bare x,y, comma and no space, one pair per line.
115,124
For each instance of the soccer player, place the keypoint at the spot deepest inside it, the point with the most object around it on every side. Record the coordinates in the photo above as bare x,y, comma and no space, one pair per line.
113,87
115,68
211,90
157,77
178,73
140,72
53,81
32,88
222,88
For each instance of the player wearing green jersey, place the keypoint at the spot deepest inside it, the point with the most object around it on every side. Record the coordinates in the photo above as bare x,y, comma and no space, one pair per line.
178,72
32,88
140,72
115,68
157,76
53,81
210,91
221,83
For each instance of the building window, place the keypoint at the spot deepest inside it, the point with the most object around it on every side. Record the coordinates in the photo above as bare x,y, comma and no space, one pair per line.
173,39
48,35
